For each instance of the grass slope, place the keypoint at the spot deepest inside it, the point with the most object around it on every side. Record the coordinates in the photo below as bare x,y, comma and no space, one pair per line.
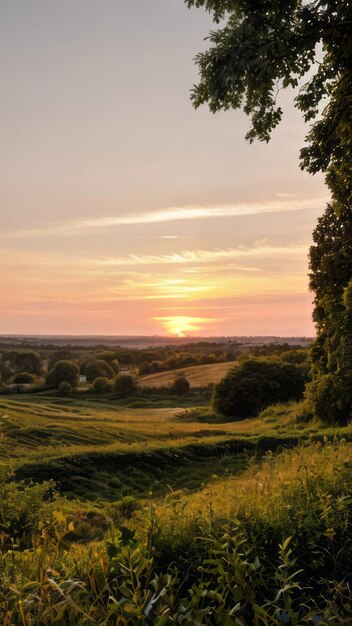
95,449
197,375
172,518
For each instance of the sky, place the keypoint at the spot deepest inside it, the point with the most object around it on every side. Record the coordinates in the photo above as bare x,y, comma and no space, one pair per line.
124,210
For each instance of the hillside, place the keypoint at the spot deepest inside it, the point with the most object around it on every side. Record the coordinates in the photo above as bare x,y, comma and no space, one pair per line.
97,449
197,375
140,500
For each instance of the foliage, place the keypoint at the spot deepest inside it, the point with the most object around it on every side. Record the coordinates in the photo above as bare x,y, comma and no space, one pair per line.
262,48
238,540
63,371
100,385
20,508
255,384
331,279
276,553
22,360
266,46
65,389
125,385
24,378
98,368
110,357
180,386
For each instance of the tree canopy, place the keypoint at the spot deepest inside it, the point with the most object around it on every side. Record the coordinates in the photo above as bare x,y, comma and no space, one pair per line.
98,368
255,384
263,46
330,279
63,371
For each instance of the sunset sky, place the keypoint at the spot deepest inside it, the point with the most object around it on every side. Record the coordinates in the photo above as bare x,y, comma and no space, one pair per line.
123,210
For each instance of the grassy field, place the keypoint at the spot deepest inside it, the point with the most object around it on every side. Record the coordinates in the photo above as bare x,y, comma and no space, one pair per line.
197,375
166,515
95,449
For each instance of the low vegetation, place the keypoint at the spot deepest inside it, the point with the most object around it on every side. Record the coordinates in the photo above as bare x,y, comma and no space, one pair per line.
127,503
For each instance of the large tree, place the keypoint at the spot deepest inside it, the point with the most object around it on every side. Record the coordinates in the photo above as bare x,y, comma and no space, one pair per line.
330,391
261,47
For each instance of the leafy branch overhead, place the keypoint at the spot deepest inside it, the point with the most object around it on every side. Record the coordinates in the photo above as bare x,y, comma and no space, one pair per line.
264,46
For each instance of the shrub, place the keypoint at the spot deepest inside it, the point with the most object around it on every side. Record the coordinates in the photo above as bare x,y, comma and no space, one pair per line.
328,396
98,368
65,389
110,357
100,385
63,371
125,385
180,386
257,383
127,506
25,378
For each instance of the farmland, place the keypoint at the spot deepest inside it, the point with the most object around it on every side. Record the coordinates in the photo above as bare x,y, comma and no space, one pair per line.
197,375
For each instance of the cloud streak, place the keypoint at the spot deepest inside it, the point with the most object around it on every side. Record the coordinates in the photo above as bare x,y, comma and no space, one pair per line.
260,250
171,214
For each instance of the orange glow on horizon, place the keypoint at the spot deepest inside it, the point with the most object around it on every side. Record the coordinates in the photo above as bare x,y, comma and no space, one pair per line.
180,325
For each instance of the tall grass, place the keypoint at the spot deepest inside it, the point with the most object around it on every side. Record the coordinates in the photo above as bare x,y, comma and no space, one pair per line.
272,546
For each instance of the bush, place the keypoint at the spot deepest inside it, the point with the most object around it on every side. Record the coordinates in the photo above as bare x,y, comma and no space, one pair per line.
329,395
98,368
65,389
63,371
110,357
180,386
257,383
25,378
100,385
125,385
127,506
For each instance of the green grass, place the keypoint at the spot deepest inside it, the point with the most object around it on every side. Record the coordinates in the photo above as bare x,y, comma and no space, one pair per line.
95,449
169,515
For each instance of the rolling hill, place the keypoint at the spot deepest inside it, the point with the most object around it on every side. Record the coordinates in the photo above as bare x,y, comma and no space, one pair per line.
197,375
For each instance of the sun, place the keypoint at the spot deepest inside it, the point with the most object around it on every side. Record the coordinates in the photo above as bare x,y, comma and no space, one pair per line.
181,325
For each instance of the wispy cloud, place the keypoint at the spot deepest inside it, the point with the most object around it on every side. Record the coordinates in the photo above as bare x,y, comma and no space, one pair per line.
196,212
261,249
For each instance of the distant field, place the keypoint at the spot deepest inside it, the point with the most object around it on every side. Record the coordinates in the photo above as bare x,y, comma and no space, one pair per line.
197,375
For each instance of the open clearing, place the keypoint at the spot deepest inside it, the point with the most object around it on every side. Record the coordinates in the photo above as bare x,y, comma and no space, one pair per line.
197,375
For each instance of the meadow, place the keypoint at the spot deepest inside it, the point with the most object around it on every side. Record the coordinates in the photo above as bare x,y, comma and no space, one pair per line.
113,513
83,443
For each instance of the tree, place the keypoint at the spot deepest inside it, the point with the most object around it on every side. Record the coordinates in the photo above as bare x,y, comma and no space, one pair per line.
266,46
180,386
25,378
100,385
257,383
24,360
65,389
330,392
125,385
63,371
110,357
98,368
